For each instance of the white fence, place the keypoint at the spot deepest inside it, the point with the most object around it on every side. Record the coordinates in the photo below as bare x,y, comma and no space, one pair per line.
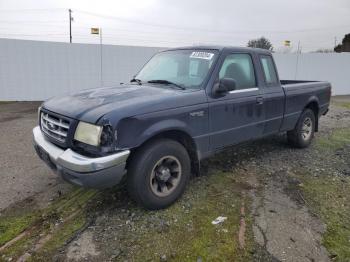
32,70
331,67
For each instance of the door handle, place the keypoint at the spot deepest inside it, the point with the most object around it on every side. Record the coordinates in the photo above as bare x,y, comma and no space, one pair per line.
259,100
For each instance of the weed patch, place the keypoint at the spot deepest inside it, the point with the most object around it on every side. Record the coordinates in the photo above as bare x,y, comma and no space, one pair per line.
59,221
329,198
190,234
337,139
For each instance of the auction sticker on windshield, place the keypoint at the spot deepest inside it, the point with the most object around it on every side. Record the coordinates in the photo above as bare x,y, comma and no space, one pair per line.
202,55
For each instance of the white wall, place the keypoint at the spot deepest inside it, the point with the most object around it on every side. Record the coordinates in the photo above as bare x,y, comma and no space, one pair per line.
34,70
332,67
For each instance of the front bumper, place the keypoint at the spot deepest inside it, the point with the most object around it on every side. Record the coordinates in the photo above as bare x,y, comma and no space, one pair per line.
100,172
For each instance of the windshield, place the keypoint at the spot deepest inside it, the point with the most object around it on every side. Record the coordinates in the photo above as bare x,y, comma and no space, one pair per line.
184,68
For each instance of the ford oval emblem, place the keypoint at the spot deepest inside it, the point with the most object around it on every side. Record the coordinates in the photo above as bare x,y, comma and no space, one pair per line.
51,126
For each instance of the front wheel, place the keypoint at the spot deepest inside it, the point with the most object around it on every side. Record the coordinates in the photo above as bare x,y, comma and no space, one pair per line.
158,173
304,130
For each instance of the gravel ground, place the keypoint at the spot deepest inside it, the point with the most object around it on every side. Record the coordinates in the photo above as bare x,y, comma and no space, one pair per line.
283,226
263,177
22,174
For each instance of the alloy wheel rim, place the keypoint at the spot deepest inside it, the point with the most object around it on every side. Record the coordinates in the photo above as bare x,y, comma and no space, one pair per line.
165,176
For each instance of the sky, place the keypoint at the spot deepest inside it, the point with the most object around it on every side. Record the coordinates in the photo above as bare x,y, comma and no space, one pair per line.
313,24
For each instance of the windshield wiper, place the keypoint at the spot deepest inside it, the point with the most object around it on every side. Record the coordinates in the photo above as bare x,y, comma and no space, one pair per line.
166,82
138,81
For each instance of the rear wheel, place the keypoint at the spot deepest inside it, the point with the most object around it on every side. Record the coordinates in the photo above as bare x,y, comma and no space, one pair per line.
304,130
158,173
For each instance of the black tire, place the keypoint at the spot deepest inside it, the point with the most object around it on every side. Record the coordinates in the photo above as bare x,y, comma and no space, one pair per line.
298,137
142,179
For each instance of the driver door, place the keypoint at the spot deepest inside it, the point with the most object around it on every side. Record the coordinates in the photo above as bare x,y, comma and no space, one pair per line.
236,115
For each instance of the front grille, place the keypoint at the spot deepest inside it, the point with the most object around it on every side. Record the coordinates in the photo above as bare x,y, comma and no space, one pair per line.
54,126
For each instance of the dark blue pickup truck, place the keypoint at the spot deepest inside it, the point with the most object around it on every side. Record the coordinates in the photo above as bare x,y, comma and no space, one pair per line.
184,105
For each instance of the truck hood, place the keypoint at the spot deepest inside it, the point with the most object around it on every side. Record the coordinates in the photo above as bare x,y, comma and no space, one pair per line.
123,101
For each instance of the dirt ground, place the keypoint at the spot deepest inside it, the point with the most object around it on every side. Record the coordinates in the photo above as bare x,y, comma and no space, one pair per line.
281,204
22,174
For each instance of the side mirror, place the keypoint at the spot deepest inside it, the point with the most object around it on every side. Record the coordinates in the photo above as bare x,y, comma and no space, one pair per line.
224,85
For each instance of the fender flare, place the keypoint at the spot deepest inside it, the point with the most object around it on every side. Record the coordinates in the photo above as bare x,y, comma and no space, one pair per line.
164,126
313,99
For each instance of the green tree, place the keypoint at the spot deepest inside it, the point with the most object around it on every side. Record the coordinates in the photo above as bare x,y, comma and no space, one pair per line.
261,42
344,46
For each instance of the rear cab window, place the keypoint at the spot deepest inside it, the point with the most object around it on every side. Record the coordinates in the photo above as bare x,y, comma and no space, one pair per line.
269,70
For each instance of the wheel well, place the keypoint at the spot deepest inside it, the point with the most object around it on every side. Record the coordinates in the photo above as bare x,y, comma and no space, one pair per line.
184,139
314,107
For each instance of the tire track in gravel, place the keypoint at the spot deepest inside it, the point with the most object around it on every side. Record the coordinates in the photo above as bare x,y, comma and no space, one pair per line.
283,224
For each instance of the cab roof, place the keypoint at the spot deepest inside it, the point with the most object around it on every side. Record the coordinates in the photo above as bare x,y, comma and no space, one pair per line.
222,48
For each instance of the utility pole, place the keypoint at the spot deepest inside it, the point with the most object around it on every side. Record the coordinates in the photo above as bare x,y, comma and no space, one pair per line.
299,47
297,62
70,25
335,41
98,31
101,57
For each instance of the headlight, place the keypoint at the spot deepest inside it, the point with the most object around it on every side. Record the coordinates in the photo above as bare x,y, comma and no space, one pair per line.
88,133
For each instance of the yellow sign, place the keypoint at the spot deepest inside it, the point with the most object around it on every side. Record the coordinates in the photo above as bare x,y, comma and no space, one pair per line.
287,43
95,31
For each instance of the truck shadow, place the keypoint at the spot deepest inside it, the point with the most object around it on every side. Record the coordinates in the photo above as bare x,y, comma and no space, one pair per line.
218,182
229,158
225,161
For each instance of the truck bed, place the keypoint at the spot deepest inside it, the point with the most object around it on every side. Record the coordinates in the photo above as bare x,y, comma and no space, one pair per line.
298,94
304,86
289,82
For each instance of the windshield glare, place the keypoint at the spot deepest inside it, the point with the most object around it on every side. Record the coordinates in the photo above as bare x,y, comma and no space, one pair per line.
187,68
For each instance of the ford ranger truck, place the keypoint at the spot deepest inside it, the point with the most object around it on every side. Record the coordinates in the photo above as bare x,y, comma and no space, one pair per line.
184,105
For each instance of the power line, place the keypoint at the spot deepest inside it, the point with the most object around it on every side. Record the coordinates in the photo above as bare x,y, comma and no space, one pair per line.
49,34
30,21
125,20
185,29
205,30
145,34
32,10
70,25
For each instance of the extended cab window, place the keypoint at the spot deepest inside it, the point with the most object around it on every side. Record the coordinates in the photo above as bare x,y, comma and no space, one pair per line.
269,69
240,68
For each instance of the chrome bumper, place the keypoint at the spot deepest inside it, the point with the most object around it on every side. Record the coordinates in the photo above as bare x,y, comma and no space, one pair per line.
78,169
